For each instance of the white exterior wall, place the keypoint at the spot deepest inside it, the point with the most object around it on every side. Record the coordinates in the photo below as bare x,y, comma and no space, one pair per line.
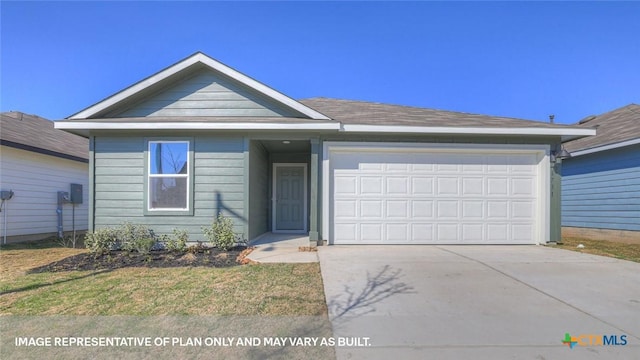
35,180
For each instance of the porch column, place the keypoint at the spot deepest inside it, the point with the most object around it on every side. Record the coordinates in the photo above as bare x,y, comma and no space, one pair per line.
313,188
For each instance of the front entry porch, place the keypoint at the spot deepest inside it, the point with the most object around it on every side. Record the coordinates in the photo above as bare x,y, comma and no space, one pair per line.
282,190
282,248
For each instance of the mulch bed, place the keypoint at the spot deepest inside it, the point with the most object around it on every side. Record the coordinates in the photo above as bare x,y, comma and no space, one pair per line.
209,257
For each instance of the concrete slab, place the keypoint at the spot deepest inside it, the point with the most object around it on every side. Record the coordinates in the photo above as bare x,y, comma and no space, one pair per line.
480,302
282,248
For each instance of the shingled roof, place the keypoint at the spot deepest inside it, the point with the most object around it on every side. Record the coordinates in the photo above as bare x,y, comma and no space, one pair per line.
34,133
617,126
371,113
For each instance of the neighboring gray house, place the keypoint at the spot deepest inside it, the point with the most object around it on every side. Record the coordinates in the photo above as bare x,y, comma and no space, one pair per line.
199,137
37,161
601,181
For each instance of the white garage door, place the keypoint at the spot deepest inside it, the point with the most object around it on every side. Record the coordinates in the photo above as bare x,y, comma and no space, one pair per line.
401,196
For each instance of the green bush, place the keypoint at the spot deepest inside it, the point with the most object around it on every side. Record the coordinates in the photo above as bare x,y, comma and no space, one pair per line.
128,237
220,234
177,242
144,245
101,241
131,235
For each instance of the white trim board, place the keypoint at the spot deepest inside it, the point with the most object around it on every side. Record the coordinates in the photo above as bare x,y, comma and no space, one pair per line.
606,147
93,125
468,130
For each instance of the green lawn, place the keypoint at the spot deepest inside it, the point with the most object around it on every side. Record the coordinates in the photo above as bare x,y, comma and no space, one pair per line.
262,289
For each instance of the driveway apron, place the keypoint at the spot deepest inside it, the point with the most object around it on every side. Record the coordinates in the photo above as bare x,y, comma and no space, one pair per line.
479,302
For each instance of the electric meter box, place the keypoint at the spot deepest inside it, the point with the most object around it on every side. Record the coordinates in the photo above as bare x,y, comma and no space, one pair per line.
76,194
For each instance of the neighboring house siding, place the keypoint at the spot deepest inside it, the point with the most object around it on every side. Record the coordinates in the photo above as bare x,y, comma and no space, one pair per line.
205,94
602,190
258,190
35,180
120,176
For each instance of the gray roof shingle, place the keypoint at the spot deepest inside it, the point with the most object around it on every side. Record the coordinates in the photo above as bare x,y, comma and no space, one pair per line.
370,113
38,134
612,127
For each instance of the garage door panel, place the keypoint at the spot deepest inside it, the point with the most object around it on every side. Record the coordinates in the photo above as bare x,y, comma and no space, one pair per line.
522,187
472,210
371,233
397,232
497,210
447,186
398,185
346,208
472,186
473,233
421,209
497,186
346,185
397,209
522,233
421,185
447,233
447,209
371,185
422,233
381,197
371,209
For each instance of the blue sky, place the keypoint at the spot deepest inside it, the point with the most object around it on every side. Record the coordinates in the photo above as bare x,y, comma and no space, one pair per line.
517,59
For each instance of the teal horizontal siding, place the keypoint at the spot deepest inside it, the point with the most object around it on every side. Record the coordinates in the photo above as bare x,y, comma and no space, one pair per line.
218,184
602,190
206,93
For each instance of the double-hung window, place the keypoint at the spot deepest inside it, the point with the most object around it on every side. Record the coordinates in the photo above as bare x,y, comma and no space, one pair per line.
169,172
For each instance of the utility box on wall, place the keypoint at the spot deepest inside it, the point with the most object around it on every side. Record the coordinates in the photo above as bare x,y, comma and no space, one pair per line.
76,194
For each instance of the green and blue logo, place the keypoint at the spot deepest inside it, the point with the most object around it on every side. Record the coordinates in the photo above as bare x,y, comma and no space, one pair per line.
594,340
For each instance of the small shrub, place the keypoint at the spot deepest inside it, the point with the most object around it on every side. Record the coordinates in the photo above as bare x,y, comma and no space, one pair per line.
130,235
177,242
220,233
144,245
101,241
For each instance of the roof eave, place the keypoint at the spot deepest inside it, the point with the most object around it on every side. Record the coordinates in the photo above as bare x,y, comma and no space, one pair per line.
605,147
563,132
81,126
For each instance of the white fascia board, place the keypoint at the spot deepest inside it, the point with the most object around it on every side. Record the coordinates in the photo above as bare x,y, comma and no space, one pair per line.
468,130
606,147
88,125
132,90
188,62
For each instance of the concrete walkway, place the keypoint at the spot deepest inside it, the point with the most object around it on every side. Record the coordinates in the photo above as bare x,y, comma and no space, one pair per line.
480,302
282,248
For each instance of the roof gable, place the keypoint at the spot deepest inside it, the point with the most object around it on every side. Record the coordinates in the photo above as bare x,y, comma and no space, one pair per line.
207,93
192,87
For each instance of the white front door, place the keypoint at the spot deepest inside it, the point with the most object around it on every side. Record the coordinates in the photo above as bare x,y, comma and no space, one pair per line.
289,197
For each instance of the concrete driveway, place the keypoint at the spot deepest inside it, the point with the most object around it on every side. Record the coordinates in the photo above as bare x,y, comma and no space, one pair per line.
479,302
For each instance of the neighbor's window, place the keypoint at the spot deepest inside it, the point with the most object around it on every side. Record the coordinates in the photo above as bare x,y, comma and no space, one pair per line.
168,175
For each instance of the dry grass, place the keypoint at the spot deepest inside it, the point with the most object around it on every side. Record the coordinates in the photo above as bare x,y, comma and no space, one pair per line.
263,289
613,249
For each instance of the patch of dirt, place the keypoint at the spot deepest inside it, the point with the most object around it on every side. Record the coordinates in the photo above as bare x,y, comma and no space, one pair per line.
307,249
209,257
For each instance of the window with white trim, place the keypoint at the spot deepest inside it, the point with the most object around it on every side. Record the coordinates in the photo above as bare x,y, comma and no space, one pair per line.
168,175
